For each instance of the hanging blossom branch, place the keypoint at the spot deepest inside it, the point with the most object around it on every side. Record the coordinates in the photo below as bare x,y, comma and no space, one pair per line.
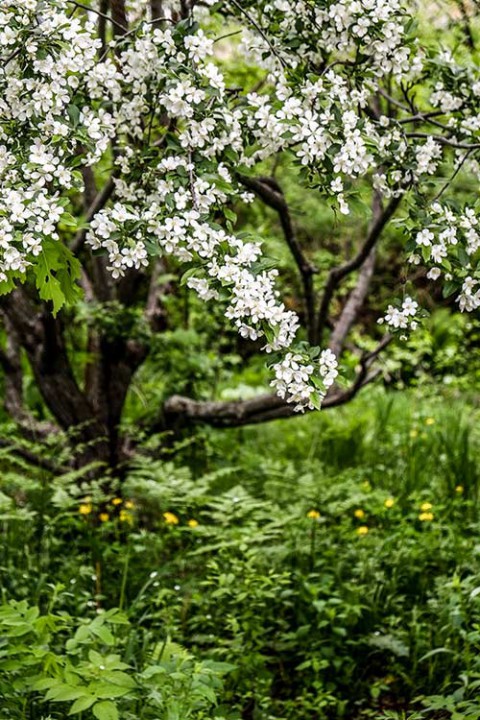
173,183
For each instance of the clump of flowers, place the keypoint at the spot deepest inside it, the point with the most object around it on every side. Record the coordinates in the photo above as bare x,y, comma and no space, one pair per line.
426,514
170,518
401,317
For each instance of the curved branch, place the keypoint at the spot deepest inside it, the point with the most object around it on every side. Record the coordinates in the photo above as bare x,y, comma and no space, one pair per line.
337,274
268,190
180,410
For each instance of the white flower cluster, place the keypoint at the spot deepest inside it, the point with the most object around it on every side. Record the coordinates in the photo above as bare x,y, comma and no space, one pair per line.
293,377
156,108
60,102
469,298
455,93
401,318
448,245
374,28
46,55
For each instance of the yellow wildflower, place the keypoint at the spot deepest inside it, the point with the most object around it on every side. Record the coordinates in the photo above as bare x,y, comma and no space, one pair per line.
426,506
313,514
459,489
359,514
413,433
192,523
362,530
129,504
426,516
170,518
430,421
389,502
125,516
104,517
85,508
117,501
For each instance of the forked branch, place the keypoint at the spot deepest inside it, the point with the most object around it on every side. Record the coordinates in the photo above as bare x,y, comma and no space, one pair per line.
337,274
268,190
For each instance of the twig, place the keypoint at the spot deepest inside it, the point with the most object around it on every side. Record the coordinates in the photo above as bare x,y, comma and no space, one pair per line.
445,141
449,182
99,202
259,30
97,12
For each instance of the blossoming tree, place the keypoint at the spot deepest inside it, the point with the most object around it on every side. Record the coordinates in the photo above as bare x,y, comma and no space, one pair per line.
124,147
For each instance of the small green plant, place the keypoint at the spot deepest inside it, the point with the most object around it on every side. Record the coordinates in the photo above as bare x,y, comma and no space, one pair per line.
51,663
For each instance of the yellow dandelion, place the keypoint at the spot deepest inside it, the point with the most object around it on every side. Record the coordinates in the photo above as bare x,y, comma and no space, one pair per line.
389,502
104,517
426,516
313,514
85,508
362,530
413,433
125,516
430,421
426,506
170,518
359,514
192,523
459,489
129,504
117,501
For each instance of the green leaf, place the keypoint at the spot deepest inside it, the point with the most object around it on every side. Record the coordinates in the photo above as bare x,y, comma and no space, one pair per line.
83,703
103,633
64,692
105,710
230,215
56,271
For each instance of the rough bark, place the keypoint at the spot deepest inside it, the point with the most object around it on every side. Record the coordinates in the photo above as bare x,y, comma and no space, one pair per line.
42,338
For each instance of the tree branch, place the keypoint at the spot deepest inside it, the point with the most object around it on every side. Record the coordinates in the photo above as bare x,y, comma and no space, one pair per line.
156,9
10,361
269,191
357,296
337,274
119,26
353,305
98,203
179,410
119,17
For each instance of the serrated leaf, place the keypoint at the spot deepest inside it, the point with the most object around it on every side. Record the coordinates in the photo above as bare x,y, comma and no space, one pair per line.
56,271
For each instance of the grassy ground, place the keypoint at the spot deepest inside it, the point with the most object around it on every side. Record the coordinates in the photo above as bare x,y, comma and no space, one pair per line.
324,567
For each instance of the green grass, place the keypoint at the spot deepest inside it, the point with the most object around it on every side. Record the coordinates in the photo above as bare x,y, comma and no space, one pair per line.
333,568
